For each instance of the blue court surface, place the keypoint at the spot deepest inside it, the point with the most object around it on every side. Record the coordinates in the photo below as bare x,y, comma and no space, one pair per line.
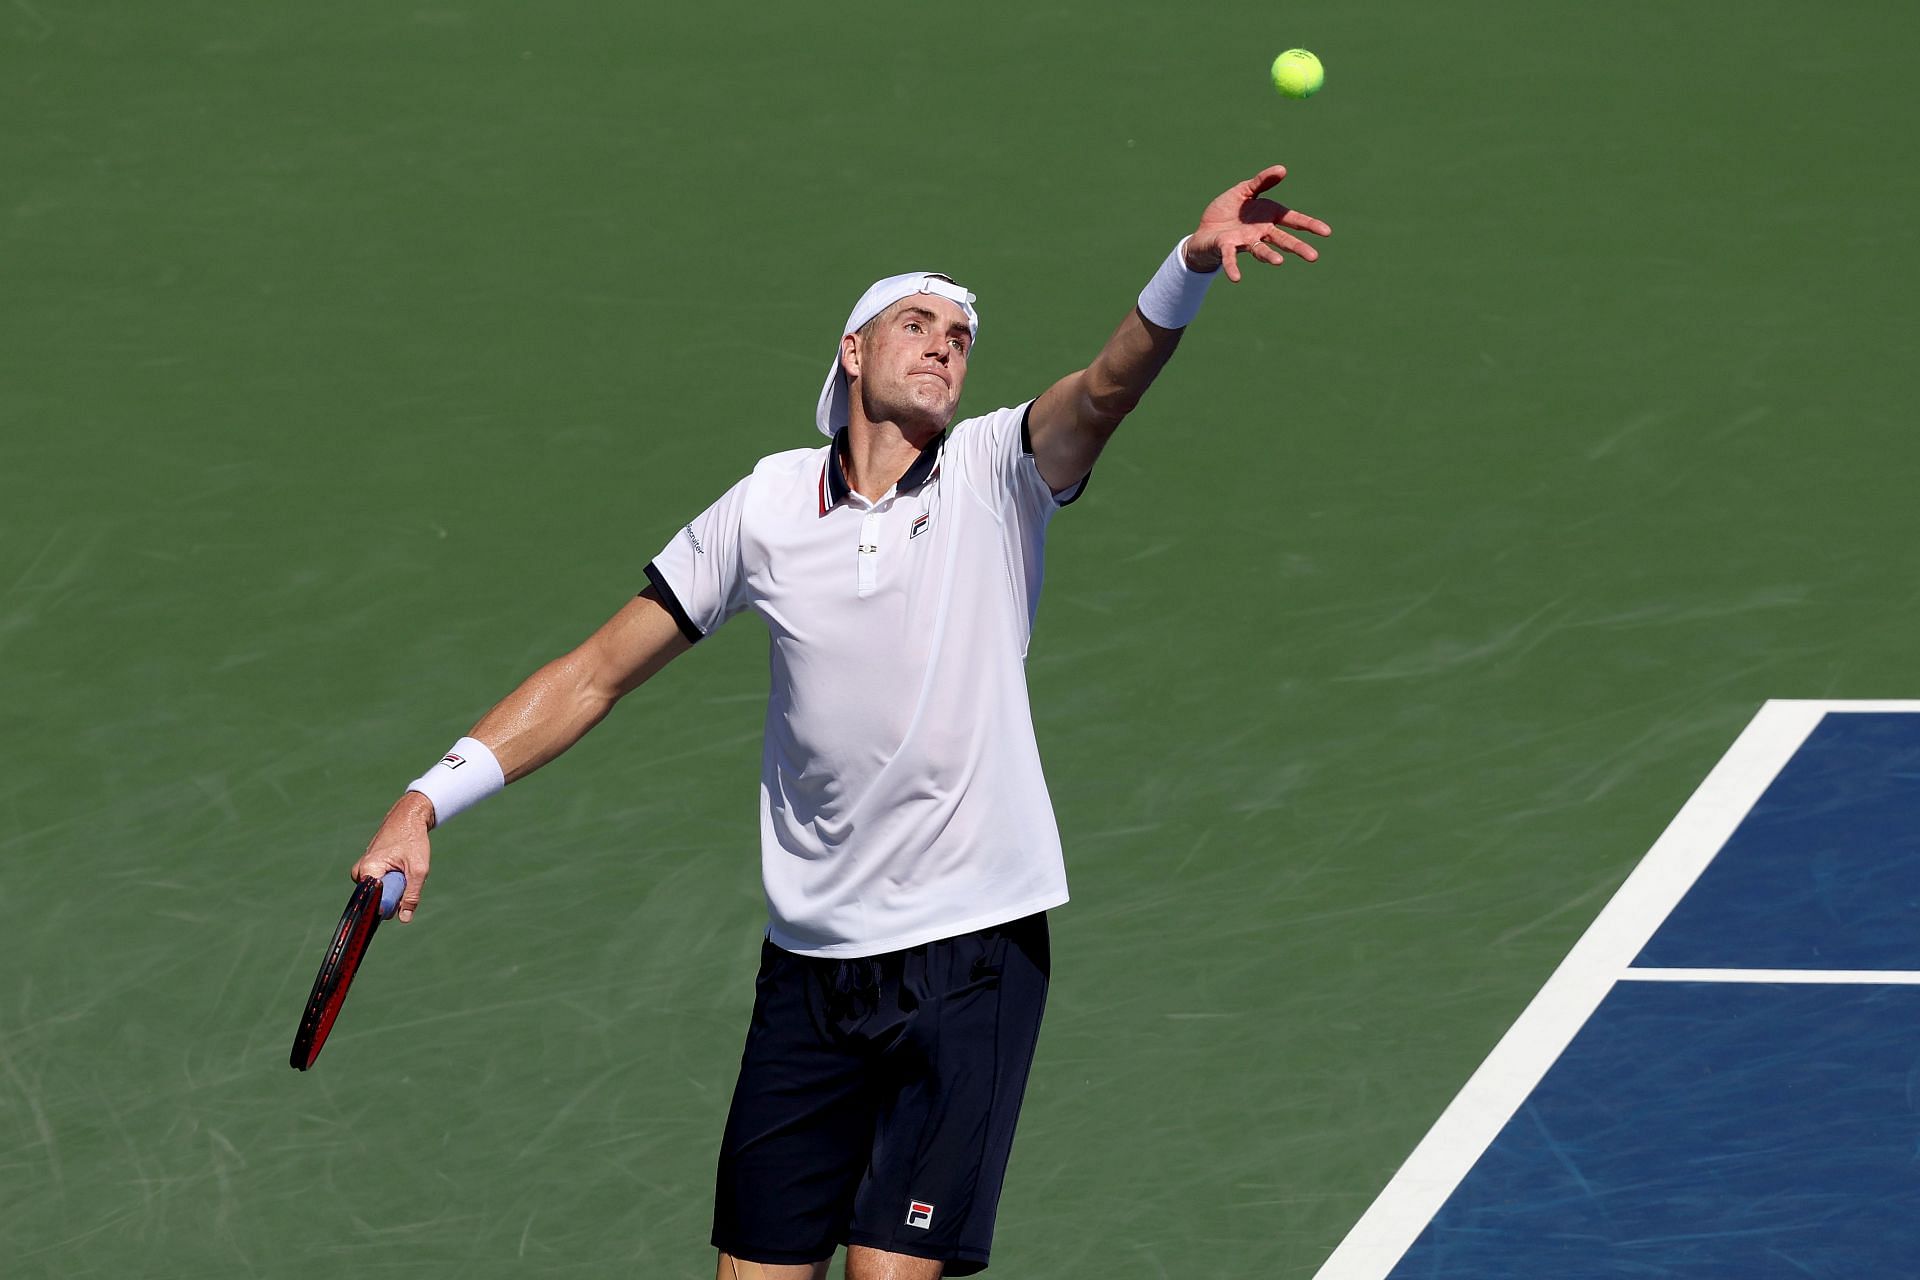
1722,1079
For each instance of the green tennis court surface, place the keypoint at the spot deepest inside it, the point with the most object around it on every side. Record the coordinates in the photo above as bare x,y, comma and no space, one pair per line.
357,359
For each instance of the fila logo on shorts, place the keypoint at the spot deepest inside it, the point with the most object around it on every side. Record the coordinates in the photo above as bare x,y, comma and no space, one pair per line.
919,1214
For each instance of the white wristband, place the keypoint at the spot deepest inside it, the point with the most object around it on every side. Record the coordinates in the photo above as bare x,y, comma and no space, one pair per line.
1173,297
464,777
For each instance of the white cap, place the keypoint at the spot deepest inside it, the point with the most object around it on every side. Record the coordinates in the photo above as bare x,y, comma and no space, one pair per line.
831,413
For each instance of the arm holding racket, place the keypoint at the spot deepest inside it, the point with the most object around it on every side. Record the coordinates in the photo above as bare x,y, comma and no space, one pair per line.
550,711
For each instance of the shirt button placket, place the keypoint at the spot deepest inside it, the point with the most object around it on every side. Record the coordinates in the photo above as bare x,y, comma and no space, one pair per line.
869,551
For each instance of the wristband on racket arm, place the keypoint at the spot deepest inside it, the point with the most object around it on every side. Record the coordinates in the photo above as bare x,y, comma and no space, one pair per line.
464,777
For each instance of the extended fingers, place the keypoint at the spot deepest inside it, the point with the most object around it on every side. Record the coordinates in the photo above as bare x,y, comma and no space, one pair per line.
1275,212
1261,227
1279,240
1230,259
1303,222
1267,178
1267,253
1271,245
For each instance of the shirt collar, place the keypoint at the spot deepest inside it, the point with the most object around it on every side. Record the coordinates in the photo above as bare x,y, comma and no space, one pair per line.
833,477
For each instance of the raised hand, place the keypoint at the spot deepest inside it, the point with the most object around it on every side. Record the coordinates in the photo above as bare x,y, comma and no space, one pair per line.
1240,221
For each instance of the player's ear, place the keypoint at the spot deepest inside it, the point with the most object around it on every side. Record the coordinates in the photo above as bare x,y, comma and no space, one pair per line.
850,354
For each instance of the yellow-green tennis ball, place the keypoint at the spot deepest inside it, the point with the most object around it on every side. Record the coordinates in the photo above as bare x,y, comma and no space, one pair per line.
1298,74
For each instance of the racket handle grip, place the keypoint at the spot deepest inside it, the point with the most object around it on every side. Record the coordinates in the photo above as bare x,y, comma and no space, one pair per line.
392,885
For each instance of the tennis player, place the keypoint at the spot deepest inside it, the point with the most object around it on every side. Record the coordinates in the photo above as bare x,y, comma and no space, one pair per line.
908,845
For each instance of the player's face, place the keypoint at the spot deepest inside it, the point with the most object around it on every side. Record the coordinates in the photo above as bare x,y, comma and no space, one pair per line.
910,366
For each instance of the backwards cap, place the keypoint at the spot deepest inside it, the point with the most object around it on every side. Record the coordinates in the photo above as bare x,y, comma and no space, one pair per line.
831,413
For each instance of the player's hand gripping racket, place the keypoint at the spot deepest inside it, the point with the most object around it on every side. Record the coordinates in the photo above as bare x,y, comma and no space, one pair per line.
372,901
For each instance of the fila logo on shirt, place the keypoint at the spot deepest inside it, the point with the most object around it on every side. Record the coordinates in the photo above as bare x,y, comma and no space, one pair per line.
452,761
919,1214
919,527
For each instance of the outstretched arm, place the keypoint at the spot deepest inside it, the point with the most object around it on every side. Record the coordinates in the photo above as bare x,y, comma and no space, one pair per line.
550,711
556,705
1073,419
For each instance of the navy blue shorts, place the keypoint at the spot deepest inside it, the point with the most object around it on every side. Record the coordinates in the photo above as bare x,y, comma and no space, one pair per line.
877,1099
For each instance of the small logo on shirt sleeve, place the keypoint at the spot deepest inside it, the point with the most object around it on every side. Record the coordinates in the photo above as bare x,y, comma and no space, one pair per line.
919,527
694,539
919,1214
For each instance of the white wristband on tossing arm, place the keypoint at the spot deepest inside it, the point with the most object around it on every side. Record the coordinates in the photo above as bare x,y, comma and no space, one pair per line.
1173,297
464,777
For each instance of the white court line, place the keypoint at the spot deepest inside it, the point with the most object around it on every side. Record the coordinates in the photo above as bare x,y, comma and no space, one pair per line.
1602,955
1810,977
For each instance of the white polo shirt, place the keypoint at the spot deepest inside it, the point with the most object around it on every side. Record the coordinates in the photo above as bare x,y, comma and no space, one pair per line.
901,796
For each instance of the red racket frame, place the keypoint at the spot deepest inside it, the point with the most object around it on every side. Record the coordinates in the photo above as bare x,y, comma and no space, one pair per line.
350,940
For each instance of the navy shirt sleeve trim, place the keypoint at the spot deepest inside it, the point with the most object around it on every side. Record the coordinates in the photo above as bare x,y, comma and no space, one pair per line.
1073,491
659,580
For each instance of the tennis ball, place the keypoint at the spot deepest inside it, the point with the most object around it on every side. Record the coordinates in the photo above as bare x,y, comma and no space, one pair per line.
1298,74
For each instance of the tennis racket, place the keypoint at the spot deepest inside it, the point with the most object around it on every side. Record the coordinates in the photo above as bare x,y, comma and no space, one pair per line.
372,901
